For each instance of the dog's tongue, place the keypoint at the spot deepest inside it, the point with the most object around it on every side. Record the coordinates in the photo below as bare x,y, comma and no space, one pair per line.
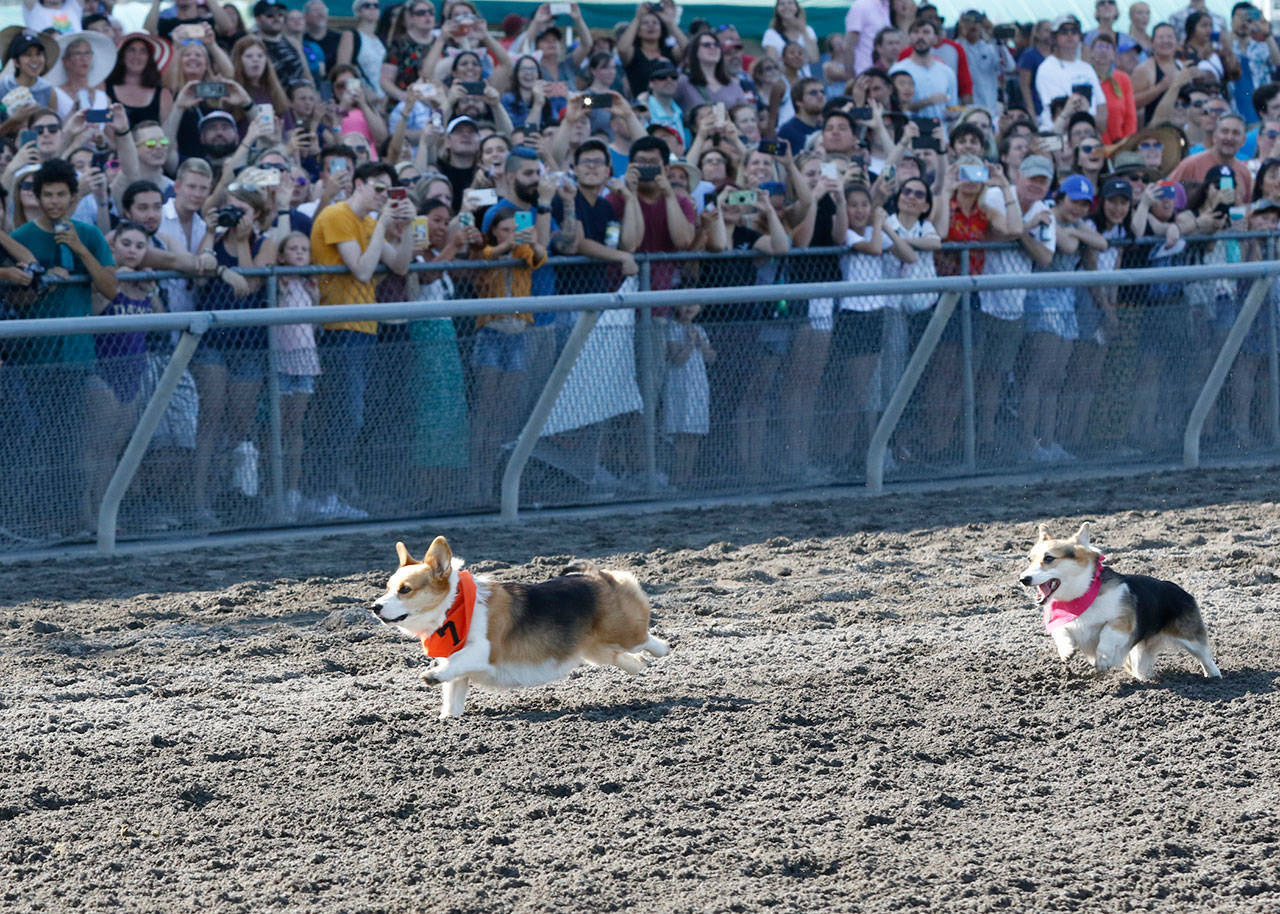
1046,589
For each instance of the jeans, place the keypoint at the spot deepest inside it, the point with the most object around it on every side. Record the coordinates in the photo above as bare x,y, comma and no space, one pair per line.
344,359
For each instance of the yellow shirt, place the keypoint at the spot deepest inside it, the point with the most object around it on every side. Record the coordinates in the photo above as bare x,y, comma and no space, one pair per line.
493,283
334,224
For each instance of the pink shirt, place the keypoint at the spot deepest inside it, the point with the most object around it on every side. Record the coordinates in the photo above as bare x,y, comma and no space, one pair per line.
867,18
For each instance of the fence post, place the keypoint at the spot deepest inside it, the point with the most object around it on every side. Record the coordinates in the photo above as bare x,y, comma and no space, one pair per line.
966,368
1273,358
273,411
131,459
541,410
906,387
648,382
1218,375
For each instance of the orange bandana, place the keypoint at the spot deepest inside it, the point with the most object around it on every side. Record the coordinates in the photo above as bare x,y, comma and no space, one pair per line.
449,638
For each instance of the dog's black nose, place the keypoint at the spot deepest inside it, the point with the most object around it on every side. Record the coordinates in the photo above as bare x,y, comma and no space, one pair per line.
376,610
1025,580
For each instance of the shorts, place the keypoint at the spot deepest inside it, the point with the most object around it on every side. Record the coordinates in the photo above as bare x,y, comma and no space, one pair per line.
917,322
857,333
1088,316
998,342
295,383
500,351
1052,311
776,337
241,364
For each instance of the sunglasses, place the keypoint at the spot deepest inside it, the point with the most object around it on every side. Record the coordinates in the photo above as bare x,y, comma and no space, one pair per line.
1087,148
422,11
380,188
1271,134
46,128
27,185
1069,30
917,194
157,141
1216,112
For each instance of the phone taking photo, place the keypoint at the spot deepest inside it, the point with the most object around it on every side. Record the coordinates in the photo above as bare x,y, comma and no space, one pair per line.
773,147
524,219
97,116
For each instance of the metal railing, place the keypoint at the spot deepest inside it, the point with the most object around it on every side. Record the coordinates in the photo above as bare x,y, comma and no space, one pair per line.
954,303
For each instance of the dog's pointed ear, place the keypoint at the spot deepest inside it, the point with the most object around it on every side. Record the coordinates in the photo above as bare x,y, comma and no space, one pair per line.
1044,534
439,556
405,558
1082,535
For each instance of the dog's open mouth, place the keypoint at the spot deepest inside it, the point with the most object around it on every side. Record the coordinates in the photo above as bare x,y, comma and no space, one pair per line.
1045,591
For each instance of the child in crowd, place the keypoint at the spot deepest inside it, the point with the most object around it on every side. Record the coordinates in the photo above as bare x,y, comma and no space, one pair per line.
296,363
501,353
113,401
686,394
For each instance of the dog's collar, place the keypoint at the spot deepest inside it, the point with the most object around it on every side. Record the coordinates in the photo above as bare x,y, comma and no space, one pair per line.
1060,612
452,635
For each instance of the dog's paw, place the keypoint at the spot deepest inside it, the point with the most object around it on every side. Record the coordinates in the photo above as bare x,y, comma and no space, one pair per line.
428,676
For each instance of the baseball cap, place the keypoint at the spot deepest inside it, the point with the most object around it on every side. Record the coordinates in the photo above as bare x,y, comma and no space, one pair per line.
1116,187
1064,19
1125,44
662,69
1036,167
972,15
458,122
217,116
265,6
1076,187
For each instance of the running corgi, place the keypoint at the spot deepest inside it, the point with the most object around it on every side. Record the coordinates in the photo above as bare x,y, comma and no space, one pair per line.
502,636
1111,618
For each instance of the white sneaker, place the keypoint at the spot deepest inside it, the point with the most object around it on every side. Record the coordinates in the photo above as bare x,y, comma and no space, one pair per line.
244,468
334,508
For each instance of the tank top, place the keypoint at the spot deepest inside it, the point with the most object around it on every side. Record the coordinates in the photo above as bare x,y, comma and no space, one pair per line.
147,112
1149,109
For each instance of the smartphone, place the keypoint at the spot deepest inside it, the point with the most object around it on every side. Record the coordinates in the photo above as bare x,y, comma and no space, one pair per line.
1215,36
559,9
1084,90
474,87
740,198
648,172
774,147
831,170
717,112
211,90
97,116
266,116
466,219
1165,191
25,137
270,178
398,193
337,164
419,230
1254,15
100,159
524,219
1004,33
1227,190
1051,143
926,124
478,197
597,100
927,142
861,114
978,173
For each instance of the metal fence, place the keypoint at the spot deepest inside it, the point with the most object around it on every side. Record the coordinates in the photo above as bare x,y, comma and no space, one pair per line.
704,374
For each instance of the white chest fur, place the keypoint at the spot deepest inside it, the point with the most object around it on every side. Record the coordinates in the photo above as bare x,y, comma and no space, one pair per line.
1082,633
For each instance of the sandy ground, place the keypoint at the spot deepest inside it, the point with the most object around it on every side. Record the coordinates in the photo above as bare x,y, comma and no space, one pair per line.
862,713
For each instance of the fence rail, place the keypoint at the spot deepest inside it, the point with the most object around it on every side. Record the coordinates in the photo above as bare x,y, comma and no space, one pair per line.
590,397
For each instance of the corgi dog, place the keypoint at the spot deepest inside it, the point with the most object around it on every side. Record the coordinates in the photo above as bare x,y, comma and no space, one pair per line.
1111,618
500,636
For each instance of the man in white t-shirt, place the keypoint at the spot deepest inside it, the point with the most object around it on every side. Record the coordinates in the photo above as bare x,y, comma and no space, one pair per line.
936,84
1062,75
62,16
999,321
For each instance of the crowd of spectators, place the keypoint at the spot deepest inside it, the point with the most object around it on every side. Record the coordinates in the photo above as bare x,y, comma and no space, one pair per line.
207,144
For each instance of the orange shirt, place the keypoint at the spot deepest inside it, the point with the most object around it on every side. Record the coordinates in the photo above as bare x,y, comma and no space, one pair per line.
1122,112
336,223
493,283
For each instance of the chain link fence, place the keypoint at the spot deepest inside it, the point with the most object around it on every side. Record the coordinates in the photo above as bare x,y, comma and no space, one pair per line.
257,413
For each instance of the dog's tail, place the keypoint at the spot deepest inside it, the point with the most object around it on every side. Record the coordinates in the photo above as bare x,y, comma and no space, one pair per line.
582,566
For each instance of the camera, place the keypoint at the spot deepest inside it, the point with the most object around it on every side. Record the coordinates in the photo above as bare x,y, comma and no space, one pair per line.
227,217
211,90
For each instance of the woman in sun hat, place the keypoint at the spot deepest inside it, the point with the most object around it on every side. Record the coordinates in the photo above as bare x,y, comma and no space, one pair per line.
86,59
135,79
33,55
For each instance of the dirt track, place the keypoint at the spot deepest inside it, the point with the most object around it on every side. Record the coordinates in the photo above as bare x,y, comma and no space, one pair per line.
861,713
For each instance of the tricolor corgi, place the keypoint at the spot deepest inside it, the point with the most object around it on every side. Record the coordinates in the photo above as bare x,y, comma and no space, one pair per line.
500,635
1111,618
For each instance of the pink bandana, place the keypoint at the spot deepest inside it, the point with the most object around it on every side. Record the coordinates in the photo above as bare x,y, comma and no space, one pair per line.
1060,612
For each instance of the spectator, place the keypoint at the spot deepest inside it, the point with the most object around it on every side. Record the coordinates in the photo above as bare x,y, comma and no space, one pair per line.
600,229
319,33
649,39
135,79
182,226
353,233
60,16
222,19
809,99
254,72
686,394
1106,12
862,25
947,51
1062,75
288,62
988,60
1210,50
527,100
704,78
1158,79
55,372
661,98
1255,48
462,148
32,56
409,50
87,58
789,26
1180,18
1029,62
1139,19
296,364
935,82
1122,113
362,49
1228,137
